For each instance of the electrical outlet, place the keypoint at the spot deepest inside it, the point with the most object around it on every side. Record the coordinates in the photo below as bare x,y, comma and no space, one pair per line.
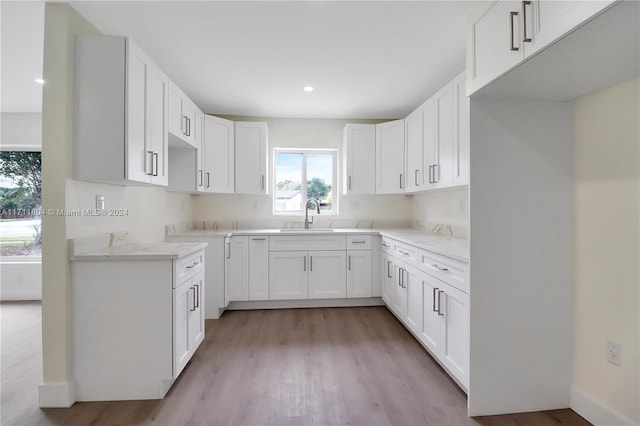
254,205
614,352
99,202
355,206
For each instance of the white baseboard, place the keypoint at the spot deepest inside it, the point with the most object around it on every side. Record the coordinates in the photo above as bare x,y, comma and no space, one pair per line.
56,395
595,411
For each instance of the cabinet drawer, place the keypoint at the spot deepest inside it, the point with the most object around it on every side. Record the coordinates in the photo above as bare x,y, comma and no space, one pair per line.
406,253
315,242
448,270
188,266
358,242
386,245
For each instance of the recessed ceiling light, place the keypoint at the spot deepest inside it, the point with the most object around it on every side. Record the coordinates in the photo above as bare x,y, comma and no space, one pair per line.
39,81
308,89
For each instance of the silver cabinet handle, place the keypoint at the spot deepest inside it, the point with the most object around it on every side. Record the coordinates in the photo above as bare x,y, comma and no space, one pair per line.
349,183
150,162
358,242
404,252
431,180
525,3
208,179
440,268
258,239
433,306
439,302
415,178
511,16
201,177
193,265
304,264
401,277
197,286
155,158
385,244
263,182
194,298
389,269
349,262
188,126
185,120
229,250
310,263
436,177
401,181
404,280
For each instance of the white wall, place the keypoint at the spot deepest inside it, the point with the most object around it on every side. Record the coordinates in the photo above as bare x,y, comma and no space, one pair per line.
521,208
449,206
607,253
21,128
149,208
301,133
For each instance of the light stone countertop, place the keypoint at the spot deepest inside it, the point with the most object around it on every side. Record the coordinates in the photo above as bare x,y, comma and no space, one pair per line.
154,251
456,248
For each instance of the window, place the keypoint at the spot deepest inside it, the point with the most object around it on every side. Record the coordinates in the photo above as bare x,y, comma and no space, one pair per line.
301,175
20,203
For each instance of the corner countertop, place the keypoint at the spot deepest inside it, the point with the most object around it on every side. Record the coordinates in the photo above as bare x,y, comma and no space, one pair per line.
154,251
456,248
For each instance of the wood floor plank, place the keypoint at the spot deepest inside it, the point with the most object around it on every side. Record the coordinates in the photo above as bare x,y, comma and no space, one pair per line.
330,366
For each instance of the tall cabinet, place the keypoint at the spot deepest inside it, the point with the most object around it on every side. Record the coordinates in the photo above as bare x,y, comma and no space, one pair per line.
251,158
120,110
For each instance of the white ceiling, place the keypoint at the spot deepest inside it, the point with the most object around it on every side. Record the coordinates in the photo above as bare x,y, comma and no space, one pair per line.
22,41
365,59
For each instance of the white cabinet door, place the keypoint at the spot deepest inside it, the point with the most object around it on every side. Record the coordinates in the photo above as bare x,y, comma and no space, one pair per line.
139,161
495,44
461,131
413,125
413,285
251,158
327,274
400,302
390,174
196,313
388,283
182,116
259,268
429,144
218,155
454,309
237,269
182,304
548,20
431,334
359,154
443,104
157,92
288,275
359,273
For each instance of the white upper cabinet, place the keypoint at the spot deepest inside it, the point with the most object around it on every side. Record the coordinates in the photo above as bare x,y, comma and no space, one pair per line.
251,158
183,115
442,171
413,127
120,111
390,174
461,130
359,159
510,31
218,157
429,145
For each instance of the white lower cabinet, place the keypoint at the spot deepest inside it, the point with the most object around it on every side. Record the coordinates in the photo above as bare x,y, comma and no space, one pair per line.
327,274
258,268
236,277
359,273
135,324
436,312
288,275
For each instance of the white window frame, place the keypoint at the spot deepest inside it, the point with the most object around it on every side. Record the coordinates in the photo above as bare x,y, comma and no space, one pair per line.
335,184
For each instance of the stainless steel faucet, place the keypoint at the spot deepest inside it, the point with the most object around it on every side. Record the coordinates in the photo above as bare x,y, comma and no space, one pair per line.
306,211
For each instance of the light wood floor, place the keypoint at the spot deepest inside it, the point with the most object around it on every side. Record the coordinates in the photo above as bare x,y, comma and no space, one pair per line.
340,366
